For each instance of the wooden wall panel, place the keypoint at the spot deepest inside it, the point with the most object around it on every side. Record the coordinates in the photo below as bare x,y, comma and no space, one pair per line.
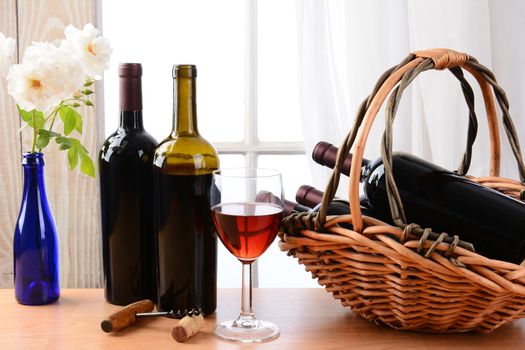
10,168
74,197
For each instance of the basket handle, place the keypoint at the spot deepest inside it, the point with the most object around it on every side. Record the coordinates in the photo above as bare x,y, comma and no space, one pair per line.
405,73
333,183
446,58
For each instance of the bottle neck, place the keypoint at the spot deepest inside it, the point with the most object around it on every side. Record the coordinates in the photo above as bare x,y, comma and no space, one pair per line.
130,100
131,120
325,154
291,207
185,107
34,185
308,196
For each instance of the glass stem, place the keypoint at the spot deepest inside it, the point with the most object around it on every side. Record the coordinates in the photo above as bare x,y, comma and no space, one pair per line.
246,305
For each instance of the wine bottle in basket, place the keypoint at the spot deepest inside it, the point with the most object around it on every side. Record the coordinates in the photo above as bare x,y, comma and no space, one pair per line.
126,189
289,206
311,197
442,200
292,207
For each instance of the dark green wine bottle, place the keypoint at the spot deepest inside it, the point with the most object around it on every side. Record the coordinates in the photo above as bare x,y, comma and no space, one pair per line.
126,193
186,240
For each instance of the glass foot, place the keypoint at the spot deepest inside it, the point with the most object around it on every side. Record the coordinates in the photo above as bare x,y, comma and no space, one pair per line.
247,330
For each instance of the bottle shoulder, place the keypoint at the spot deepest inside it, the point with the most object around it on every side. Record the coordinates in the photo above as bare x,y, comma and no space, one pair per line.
131,139
186,155
125,144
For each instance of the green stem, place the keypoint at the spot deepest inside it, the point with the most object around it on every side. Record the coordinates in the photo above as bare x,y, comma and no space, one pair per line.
46,119
74,99
34,135
54,114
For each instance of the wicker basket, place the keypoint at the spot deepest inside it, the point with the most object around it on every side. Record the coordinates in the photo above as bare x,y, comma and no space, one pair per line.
422,280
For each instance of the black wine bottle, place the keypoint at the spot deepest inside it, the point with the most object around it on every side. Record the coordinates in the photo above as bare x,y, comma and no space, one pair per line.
311,197
444,201
289,206
186,239
126,190
292,207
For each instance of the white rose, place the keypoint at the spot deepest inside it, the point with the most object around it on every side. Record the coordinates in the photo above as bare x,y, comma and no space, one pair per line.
46,76
92,51
7,48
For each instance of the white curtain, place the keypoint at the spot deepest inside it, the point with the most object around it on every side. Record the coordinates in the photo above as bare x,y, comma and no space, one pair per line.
346,45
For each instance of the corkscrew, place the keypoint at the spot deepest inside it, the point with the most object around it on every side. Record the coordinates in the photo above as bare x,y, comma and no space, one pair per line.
170,314
141,309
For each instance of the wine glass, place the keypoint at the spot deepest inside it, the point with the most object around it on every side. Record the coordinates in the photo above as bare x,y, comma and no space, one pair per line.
247,205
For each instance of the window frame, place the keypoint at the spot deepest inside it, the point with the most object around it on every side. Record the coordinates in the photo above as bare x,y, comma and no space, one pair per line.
250,146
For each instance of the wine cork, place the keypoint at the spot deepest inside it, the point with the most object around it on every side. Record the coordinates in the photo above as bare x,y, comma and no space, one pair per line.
187,327
125,317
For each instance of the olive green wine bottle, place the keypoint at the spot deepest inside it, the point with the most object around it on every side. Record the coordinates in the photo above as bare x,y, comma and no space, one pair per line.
185,236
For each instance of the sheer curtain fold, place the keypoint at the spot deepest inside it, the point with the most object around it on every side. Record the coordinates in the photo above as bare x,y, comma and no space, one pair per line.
346,45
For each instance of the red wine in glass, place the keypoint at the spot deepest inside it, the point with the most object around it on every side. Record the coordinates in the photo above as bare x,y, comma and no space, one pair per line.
247,229
247,206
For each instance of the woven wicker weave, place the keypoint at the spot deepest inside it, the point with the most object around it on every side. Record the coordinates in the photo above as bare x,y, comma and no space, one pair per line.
422,280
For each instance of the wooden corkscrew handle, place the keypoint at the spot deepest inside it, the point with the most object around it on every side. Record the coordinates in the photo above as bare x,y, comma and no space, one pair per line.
127,316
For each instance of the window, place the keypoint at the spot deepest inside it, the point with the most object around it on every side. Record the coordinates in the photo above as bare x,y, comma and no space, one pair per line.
247,91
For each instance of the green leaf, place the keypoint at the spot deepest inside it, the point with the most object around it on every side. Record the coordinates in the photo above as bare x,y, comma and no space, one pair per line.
72,157
63,140
86,164
49,133
45,136
76,151
89,83
70,118
87,92
74,142
79,124
88,103
64,146
26,116
34,118
75,105
42,139
39,121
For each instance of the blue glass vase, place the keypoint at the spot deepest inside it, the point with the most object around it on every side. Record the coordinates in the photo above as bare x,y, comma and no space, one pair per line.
35,245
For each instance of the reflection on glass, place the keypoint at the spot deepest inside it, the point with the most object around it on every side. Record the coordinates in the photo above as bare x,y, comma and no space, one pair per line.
247,205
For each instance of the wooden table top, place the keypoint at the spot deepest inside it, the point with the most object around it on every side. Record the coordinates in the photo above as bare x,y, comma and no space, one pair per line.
308,318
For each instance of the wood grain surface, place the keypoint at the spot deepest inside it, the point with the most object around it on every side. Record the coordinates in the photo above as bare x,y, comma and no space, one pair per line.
10,170
308,319
73,197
